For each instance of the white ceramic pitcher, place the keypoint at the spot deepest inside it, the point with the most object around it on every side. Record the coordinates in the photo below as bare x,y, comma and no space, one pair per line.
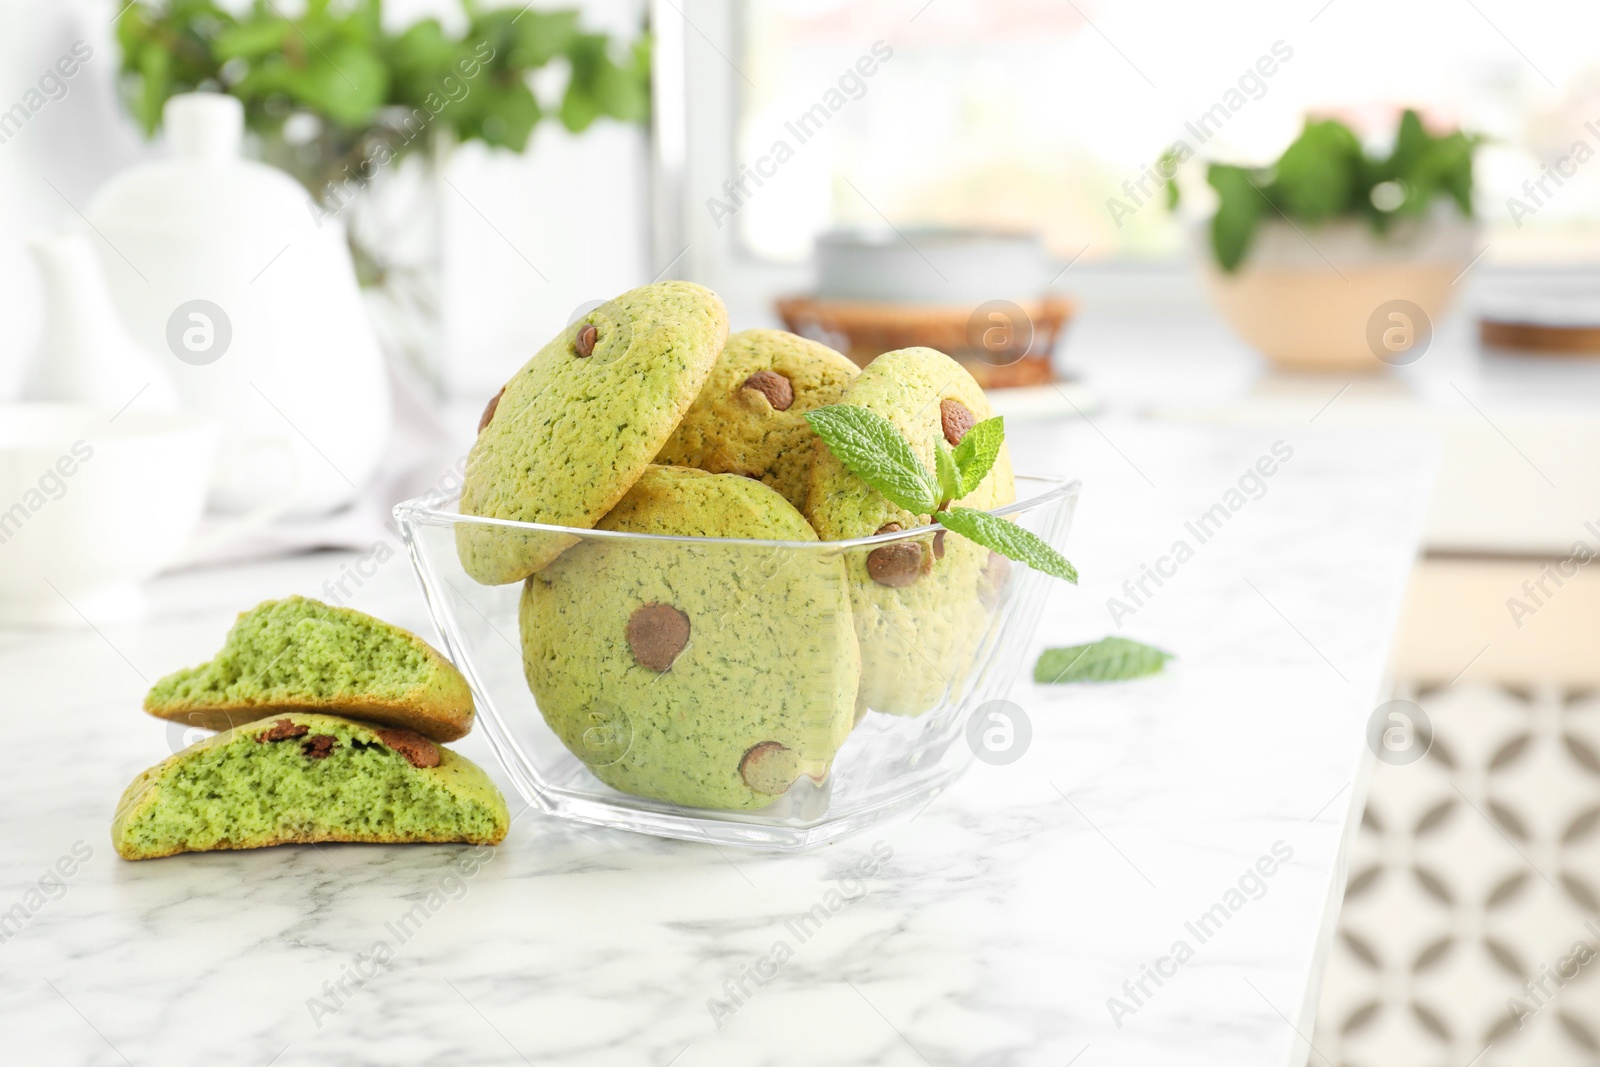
220,265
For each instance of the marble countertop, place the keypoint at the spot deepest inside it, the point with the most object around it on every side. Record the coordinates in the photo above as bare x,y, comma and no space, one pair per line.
1153,882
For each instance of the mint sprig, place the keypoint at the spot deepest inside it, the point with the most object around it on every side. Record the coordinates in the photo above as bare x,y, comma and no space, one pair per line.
976,453
1008,539
872,449
1111,659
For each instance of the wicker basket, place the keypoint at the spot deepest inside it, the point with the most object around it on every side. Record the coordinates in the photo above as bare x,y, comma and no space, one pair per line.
1000,343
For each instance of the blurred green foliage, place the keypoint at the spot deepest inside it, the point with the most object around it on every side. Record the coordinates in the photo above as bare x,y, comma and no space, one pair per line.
1325,174
338,62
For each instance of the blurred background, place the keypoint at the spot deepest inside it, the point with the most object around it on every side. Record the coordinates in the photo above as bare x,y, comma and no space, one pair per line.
1343,213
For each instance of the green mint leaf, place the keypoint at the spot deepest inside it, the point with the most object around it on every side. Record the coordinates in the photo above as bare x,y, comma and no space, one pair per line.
976,453
1111,659
948,472
1008,539
873,450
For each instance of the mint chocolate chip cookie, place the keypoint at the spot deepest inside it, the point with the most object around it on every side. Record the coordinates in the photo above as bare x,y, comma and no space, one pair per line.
299,654
303,778
575,427
702,674
750,416
921,605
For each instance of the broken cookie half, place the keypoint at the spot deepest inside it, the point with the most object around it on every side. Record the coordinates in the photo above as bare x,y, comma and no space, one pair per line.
307,778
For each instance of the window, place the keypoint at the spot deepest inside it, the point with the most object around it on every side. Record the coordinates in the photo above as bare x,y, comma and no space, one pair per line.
1047,113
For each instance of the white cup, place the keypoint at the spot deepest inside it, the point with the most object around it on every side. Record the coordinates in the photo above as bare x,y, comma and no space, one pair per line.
93,503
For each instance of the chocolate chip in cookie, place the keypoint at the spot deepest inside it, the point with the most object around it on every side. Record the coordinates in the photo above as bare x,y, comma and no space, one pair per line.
587,336
896,565
319,746
412,745
955,419
489,409
657,633
778,390
769,767
283,730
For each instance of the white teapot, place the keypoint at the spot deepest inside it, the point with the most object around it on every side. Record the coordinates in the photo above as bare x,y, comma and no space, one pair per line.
222,267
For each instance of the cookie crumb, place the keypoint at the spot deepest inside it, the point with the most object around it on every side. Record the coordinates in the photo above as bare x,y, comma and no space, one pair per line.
778,390
955,419
318,746
657,633
283,730
410,744
587,336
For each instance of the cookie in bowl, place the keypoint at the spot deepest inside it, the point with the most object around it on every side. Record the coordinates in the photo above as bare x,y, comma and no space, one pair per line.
921,605
750,416
699,674
572,430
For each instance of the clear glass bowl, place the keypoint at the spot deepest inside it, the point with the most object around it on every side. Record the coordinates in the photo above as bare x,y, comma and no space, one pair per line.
797,666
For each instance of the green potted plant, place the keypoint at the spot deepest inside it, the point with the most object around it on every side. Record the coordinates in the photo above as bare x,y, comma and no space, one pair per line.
1333,257
364,115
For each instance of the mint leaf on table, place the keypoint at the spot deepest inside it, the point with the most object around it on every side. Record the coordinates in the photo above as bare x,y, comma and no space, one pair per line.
874,451
976,453
1111,659
1008,539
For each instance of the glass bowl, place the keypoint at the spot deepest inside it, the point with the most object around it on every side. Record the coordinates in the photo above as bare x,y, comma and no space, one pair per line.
702,676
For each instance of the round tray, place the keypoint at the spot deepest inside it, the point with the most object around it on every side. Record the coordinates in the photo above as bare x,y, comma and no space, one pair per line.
1001,343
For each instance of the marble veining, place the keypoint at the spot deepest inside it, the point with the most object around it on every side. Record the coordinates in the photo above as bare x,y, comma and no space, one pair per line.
1003,924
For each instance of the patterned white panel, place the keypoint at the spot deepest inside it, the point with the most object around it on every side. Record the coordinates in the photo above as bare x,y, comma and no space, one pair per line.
1477,871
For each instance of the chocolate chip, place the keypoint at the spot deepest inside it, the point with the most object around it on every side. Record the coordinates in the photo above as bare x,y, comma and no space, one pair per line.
769,767
318,746
657,633
283,730
955,418
412,745
996,572
489,409
778,390
938,544
898,564
587,336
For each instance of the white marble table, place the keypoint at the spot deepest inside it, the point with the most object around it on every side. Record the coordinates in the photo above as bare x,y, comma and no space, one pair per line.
992,928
